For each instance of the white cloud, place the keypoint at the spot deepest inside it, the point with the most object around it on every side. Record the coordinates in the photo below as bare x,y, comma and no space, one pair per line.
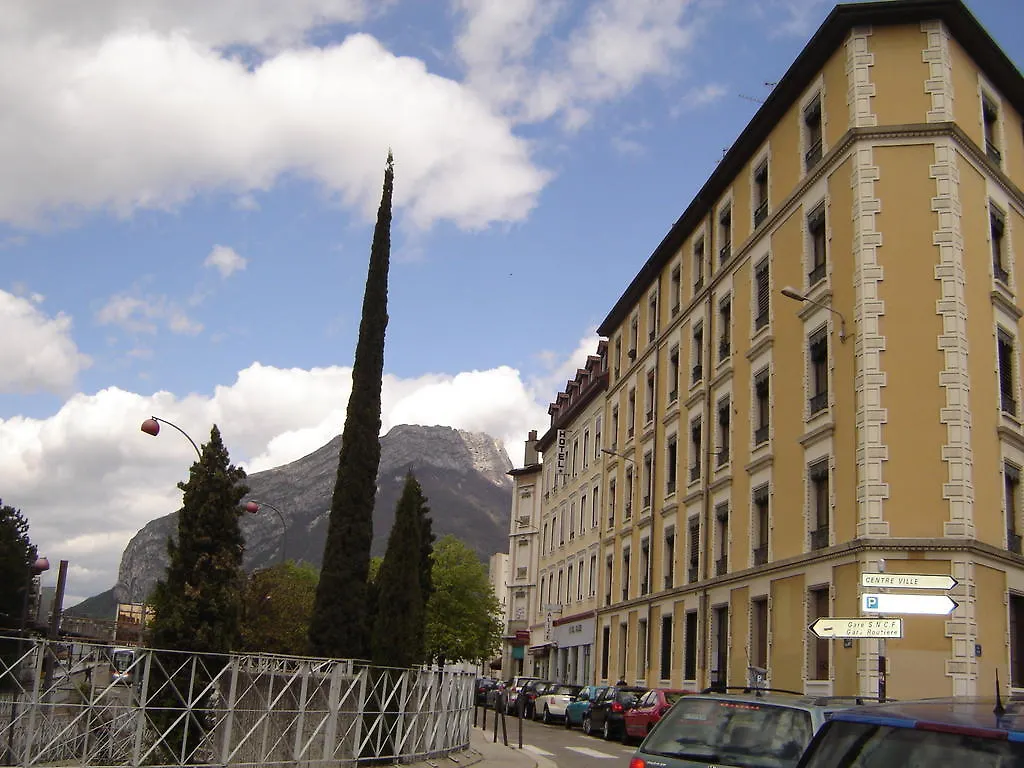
113,479
36,350
143,120
706,94
145,314
225,260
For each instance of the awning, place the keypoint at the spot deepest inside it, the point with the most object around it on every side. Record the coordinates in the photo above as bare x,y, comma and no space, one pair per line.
542,648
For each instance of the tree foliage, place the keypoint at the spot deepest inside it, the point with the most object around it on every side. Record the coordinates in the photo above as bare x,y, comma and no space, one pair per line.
399,623
340,626
198,601
463,619
276,609
17,553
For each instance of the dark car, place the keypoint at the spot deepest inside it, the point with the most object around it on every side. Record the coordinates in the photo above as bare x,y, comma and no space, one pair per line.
652,705
973,733
607,713
528,695
484,685
577,710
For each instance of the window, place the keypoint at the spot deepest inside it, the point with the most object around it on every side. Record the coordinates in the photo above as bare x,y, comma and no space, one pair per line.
818,667
611,504
693,562
568,584
606,637
544,541
558,595
690,641
762,525
594,506
630,413
542,580
649,415
641,648
722,539
666,647
561,527
725,329
997,231
597,437
818,348
675,289
725,234
724,412
1011,494
583,513
816,236
759,633
695,444
652,317
669,557
615,426
673,374
760,194
575,456
593,576
720,639
625,573
586,447
647,479
627,507
698,264
645,566
623,643
990,117
763,287
1007,386
572,521
762,407
812,125
820,503
608,566
698,352
634,330
1017,641
618,356
671,462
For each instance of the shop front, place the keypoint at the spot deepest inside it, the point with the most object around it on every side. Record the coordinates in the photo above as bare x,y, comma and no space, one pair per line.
573,648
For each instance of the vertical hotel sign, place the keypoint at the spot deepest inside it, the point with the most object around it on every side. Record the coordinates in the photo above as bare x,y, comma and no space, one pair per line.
560,443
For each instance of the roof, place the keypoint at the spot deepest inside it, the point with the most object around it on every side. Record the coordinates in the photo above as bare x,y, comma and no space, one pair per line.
961,713
529,469
998,68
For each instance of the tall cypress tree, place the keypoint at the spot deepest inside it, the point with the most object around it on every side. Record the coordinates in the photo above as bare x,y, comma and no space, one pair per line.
198,602
398,632
340,623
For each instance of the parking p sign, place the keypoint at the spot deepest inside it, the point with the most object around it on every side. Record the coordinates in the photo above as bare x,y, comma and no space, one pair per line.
871,602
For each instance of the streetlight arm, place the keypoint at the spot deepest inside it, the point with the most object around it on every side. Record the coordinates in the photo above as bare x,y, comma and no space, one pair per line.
284,525
792,293
187,437
610,452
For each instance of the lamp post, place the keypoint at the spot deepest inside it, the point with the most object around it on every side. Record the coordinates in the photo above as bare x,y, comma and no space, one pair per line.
151,426
792,293
253,507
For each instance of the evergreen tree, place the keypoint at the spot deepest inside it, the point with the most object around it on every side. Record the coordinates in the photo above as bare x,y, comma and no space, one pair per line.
340,626
17,554
198,602
399,628
427,539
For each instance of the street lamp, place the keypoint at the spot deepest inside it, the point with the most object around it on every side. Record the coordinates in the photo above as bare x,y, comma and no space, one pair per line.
151,426
39,566
610,452
792,293
253,506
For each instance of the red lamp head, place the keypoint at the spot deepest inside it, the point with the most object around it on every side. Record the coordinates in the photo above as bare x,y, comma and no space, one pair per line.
151,427
252,507
40,565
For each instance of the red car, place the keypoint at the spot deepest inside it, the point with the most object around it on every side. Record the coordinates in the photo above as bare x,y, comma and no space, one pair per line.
646,712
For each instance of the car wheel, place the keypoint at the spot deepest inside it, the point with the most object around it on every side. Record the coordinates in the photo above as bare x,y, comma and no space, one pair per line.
568,722
546,719
606,731
587,729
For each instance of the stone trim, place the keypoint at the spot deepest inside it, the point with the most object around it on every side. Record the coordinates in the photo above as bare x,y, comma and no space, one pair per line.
872,453
962,629
954,377
860,89
939,84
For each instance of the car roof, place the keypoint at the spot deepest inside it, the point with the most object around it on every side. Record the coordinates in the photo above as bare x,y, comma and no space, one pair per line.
977,714
779,699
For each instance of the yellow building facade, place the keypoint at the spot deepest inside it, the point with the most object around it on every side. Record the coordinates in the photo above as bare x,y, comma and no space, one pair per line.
764,450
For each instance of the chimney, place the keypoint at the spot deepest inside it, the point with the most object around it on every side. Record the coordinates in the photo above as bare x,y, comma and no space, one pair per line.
531,449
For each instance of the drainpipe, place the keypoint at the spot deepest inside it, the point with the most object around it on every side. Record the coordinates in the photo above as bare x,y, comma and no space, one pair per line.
707,508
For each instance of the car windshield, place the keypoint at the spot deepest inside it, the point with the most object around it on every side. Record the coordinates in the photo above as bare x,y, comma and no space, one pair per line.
737,733
862,745
566,690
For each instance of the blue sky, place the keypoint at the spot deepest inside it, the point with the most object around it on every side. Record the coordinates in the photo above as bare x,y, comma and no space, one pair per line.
188,203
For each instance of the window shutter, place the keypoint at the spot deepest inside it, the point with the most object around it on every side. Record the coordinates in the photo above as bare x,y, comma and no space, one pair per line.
762,288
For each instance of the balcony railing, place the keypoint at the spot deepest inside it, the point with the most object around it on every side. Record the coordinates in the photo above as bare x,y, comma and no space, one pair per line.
818,402
760,321
813,155
724,349
691,574
761,213
1008,403
625,592
819,538
608,598
1000,273
761,555
723,456
628,511
629,431
722,565
669,580
817,274
698,373
644,588
993,153
648,417
1013,541
698,284
724,253
695,473
670,486
647,501
761,435
673,395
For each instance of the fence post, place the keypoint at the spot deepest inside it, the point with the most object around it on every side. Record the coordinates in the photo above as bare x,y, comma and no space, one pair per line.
34,703
140,719
300,722
333,710
357,730
229,720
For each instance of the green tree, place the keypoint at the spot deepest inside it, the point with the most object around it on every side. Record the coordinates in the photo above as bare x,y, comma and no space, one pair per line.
17,553
398,629
276,608
340,626
427,539
198,602
463,619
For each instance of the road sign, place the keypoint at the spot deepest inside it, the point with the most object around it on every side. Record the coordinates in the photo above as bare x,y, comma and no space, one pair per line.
827,628
934,605
907,581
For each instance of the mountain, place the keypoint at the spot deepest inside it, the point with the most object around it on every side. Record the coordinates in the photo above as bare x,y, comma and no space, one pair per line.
463,475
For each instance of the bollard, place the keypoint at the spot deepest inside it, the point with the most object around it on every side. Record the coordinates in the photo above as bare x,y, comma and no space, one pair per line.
521,724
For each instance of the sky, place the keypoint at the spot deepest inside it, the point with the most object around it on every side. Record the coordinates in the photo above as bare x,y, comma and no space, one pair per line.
187,203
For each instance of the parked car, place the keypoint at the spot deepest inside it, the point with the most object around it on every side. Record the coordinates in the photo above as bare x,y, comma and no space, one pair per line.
607,712
579,707
975,733
484,685
639,720
513,690
550,705
750,728
530,692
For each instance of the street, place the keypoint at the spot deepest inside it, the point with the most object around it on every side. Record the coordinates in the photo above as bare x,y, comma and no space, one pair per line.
566,749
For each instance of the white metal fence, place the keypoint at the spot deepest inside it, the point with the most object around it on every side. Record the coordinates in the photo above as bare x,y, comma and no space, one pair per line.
67,703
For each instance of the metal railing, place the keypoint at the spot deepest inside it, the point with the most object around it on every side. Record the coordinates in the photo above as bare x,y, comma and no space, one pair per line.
64,702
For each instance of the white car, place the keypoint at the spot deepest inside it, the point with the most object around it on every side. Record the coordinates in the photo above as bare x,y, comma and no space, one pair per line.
551,705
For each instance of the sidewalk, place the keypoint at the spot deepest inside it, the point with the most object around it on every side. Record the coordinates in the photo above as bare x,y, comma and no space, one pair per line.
497,755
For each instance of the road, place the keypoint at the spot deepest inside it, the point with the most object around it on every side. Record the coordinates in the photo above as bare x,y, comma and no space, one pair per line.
565,749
